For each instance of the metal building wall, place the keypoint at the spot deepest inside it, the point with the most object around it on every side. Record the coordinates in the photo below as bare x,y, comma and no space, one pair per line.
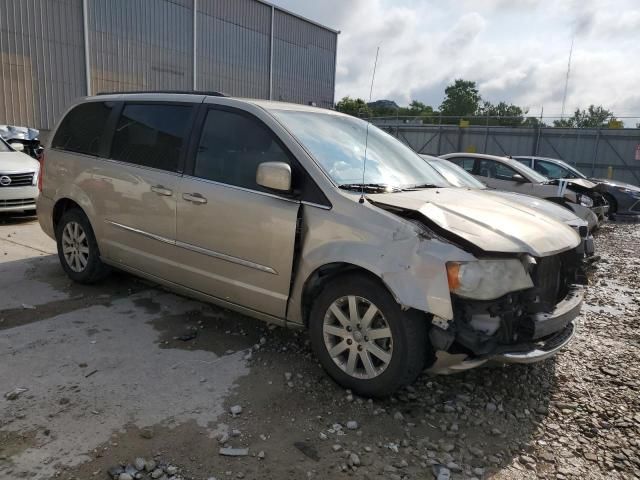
233,47
41,60
244,48
303,61
140,45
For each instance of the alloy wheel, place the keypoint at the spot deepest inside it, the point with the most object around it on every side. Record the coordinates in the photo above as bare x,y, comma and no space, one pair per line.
357,337
75,246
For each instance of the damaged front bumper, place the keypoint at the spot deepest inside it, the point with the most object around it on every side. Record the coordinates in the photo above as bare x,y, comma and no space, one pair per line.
555,330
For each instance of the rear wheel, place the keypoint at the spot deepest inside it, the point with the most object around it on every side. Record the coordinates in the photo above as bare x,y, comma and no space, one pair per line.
363,339
77,248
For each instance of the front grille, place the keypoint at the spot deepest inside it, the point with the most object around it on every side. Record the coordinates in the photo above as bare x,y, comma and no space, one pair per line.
16,179
18,202
552,278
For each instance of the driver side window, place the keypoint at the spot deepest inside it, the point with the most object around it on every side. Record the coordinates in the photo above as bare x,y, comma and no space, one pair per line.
231,147
491,169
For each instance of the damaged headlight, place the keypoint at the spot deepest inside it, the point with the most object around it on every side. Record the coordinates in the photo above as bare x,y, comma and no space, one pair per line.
585,201
487,279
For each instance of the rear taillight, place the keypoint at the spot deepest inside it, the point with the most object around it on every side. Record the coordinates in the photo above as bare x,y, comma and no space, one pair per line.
41,172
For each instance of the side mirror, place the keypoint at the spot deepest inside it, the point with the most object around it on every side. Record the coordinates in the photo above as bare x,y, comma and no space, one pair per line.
274,176
17,146
518,178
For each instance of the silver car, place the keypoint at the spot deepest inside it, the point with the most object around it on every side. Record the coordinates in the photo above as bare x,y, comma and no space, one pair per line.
311,219
505,173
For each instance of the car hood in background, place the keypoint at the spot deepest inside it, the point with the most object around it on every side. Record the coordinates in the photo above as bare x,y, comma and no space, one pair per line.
12,132
487,222
17,162
578,184
616,183
545,206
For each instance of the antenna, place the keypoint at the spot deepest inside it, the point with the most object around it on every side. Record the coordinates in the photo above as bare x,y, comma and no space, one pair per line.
366,139
566,82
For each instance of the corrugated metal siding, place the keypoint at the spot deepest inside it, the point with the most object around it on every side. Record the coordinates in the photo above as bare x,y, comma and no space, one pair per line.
233,47
148,45
141,45
41,60
303,61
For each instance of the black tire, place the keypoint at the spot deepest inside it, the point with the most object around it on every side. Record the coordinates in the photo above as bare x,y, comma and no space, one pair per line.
408,329
94,270
613,205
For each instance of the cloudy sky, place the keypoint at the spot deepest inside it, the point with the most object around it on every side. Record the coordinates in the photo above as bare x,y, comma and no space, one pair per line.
516,50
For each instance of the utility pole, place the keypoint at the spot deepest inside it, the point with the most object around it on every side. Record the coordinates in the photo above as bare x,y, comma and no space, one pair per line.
566,82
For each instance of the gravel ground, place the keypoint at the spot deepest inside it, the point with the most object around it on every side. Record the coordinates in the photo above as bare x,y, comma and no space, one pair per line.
573,417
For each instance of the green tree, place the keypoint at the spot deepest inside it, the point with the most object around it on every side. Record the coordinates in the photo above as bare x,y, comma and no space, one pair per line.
508,114
353,106
592,117
461,99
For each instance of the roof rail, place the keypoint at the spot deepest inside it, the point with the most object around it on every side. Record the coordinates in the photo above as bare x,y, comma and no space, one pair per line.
183,92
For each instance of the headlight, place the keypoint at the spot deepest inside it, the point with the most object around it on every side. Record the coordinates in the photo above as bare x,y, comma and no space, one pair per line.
585,201
487,279
35,177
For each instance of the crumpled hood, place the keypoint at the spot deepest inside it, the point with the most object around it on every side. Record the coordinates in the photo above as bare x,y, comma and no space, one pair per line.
545,206
17,162
578,183
490,223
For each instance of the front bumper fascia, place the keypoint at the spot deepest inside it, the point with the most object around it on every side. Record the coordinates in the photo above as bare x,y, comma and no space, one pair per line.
565,313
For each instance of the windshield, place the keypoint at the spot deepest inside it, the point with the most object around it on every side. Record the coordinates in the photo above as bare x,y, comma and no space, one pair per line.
577,173
455,175
337,143
3,146
526,171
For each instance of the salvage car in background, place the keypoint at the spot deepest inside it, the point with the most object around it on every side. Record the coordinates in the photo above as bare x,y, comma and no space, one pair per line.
22,139
18,181
504,173
458,177
623,198
267,208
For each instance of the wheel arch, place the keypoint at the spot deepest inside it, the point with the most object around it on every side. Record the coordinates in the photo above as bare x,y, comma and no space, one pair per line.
322,275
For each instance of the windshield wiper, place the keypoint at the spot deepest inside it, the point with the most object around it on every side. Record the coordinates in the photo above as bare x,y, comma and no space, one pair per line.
418,186
370,187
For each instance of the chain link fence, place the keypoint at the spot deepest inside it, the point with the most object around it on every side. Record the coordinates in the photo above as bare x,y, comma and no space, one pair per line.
609,151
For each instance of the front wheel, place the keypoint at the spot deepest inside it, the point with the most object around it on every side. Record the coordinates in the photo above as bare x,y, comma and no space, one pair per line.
363,339
77,248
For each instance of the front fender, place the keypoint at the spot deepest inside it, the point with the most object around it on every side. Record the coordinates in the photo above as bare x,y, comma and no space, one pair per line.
410,264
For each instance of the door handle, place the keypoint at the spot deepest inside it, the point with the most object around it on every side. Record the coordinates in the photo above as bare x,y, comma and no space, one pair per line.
194,198
162,190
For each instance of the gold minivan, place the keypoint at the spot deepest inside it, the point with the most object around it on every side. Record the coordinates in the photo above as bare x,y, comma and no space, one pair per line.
309,218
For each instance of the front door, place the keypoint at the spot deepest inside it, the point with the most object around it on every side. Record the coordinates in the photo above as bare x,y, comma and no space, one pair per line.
235,239
500,176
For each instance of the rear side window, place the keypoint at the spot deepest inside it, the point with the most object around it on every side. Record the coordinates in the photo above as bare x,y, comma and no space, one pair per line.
232,145
152,135
82,129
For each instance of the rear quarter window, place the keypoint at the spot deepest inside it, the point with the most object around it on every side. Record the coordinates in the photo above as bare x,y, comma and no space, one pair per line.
82,128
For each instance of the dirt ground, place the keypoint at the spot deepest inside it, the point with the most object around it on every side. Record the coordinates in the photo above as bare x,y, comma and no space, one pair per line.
124,370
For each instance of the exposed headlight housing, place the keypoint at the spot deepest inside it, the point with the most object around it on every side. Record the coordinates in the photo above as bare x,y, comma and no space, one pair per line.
487,279
585,201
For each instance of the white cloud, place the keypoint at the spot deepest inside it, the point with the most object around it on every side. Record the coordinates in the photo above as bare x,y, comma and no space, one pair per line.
516,51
